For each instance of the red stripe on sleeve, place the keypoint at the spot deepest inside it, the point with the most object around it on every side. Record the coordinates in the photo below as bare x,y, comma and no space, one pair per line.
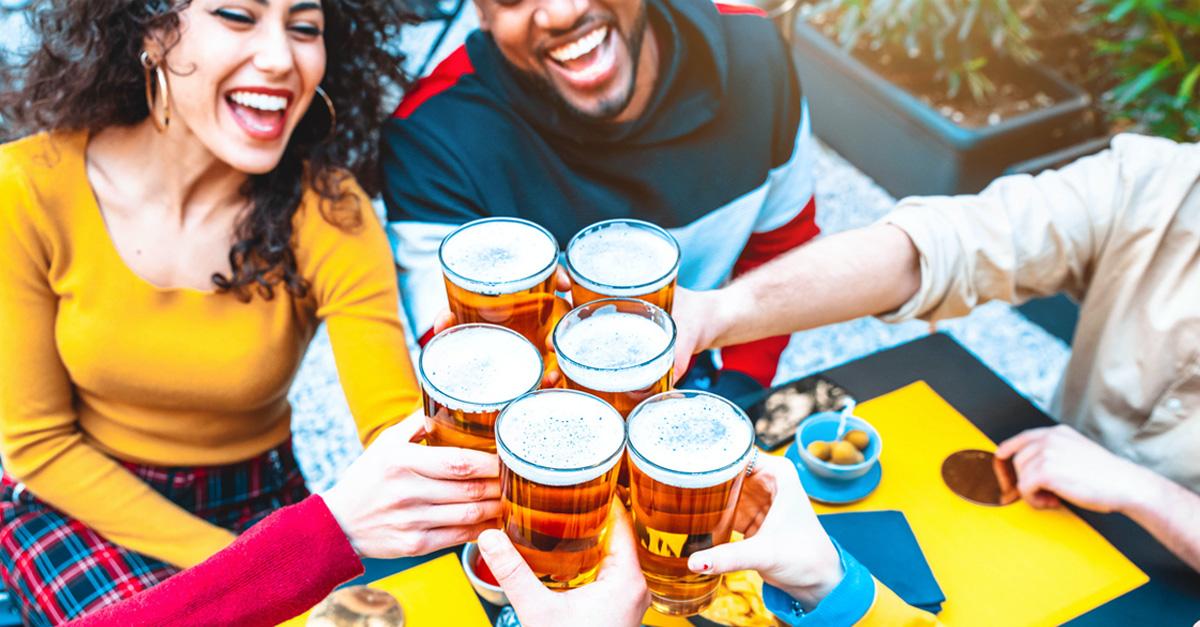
425,337
763,247
760,359
739,9
443,77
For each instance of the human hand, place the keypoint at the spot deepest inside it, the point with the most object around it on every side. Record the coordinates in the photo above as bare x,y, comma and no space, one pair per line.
401,499
784,541
618,597
1055,463
699,321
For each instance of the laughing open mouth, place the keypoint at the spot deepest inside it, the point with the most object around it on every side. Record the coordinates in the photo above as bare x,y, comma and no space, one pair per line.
586,61
261,114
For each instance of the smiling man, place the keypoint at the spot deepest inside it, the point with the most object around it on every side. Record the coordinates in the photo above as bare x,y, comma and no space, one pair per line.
567,112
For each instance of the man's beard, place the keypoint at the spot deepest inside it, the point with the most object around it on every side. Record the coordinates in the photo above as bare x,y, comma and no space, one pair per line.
608,109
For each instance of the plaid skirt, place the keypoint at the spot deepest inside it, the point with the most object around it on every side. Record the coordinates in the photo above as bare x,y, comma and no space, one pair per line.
57,569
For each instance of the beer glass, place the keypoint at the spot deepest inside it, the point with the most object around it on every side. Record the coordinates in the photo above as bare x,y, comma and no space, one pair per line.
688,452
558,468
623,258
468,374
620,349
501,271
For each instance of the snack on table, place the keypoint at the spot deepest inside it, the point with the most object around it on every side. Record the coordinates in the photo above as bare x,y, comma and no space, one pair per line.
843,453
357,606
858,438
820,449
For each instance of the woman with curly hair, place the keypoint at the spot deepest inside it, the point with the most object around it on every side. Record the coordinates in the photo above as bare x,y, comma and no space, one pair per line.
181,216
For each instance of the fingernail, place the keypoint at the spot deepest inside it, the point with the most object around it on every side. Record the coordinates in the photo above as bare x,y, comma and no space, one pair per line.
489,541
700,566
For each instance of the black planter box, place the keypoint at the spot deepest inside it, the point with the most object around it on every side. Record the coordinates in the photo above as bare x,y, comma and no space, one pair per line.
910,148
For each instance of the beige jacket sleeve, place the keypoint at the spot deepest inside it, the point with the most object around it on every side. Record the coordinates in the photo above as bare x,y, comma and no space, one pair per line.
1023,236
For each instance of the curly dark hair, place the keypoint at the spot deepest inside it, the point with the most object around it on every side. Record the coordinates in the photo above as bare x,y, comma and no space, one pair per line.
84,74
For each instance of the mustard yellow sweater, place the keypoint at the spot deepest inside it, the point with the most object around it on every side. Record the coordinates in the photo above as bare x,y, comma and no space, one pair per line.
98,365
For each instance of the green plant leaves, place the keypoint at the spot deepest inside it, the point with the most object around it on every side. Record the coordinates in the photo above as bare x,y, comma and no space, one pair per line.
1153,48
1187,87
1126,92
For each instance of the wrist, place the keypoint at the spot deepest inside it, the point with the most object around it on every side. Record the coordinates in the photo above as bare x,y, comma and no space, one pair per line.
819,580
1147,492
340,511
726,309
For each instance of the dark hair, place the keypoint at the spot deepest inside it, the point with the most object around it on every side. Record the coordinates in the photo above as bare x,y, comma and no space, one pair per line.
84,74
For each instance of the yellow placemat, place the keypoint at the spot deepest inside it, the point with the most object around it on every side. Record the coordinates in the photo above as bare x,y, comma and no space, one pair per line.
1009,565
434,594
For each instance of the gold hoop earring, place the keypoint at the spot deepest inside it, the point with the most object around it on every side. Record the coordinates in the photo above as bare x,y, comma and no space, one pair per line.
148,66
332,112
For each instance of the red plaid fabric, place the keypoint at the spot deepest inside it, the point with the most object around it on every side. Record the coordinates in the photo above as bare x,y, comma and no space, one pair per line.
56,568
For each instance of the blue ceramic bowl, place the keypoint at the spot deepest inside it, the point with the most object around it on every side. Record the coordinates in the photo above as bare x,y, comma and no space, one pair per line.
823,426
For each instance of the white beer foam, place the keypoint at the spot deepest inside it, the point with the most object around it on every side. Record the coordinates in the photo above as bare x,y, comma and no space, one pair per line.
700,439
479,368
560,437
622,260
499,257
612,352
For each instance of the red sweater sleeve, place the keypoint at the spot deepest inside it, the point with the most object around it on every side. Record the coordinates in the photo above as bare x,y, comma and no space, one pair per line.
759,359
278,569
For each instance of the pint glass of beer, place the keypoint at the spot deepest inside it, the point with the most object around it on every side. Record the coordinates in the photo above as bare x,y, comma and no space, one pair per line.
620,349
501,271
688,452
468,374
558,469
623,258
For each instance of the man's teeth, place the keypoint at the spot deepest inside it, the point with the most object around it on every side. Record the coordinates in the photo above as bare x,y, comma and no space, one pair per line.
579,47
262,102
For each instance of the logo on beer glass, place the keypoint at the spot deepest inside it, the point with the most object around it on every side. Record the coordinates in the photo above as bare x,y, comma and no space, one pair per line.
623,258
468,374
688,452
501,271
558,470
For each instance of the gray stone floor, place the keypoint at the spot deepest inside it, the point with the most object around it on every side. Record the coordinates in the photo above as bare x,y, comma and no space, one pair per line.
1021,352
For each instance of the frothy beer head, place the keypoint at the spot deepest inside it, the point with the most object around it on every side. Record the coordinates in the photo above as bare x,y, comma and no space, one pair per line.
623,258
498,255
613,351
689,439
560,437
476,367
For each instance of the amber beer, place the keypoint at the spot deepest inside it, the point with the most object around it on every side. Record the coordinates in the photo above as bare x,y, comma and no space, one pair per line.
623,258
558,468
620,349
501,271
688,452
468,374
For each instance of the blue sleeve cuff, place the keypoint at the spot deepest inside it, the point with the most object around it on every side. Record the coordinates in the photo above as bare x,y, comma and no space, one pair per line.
847,604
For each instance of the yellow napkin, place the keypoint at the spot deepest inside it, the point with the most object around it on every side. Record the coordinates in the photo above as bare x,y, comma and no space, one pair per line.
434,594
1009,565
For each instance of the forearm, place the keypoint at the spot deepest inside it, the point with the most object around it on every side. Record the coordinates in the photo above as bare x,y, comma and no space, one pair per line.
1169,512
280,568
94,489
857,273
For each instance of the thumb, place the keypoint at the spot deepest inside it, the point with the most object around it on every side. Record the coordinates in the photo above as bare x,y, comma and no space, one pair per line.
511,571
411,429
443,320
725,558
